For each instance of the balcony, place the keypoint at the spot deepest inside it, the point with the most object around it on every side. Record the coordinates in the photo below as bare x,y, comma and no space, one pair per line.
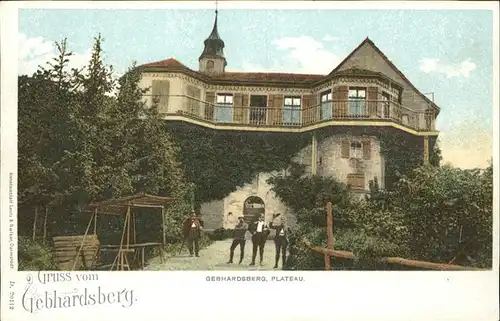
337,112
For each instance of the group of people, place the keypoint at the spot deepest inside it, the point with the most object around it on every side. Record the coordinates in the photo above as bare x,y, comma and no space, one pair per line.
259,229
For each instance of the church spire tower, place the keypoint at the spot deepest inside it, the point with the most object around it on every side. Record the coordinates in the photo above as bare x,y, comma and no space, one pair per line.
212,59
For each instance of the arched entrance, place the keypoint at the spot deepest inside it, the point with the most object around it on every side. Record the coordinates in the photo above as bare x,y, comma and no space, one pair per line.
252,208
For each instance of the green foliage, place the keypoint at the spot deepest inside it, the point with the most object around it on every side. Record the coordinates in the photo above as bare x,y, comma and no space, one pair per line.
302,192
435,156
434,214
402,153
448,210
217,162
84,138
221,234
34,256
175,214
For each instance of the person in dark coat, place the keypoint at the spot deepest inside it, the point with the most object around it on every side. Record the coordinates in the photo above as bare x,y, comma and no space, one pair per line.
280,241
192,228
238,239
260,232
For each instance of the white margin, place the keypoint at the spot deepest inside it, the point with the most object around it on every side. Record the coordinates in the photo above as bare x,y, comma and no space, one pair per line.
341,295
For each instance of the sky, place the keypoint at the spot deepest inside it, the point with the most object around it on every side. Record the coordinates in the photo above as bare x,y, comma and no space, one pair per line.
447,53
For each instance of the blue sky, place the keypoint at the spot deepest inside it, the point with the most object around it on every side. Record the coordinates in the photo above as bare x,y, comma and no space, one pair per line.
445,52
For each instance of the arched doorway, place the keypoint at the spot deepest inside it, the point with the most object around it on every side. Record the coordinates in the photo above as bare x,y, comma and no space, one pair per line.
252,208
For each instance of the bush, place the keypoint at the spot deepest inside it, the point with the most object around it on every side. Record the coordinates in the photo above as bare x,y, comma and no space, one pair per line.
432,214
221,234
34,256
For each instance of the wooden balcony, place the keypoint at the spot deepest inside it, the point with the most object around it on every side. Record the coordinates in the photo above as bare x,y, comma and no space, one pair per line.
337,112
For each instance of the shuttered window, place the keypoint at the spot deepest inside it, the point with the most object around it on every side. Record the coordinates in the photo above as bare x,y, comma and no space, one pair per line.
356,149
160,90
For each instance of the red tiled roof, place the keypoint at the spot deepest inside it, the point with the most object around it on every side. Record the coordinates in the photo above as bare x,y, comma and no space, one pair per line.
174,64
270,77
170,62
266,77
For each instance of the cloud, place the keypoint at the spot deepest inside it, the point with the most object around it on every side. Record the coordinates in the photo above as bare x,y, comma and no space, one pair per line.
330,38
37,51
304,55
462,69
310,54
467,145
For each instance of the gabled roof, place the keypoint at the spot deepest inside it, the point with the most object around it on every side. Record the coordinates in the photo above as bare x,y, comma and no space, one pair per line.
369,42
267,77
273,78
170,62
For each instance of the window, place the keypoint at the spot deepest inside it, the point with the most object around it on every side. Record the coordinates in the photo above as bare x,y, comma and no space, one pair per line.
210,65
224,108
291,112
384,111
357,98
258,109
356,150
326,105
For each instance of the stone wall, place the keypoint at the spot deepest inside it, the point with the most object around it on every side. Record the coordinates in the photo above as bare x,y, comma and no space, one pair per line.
332,164
234,202
212,214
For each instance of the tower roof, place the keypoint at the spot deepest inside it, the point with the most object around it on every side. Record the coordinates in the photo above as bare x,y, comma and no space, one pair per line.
214,35
214,45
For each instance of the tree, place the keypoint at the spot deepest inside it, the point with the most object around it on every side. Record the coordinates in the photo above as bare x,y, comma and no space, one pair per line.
438,214
80,141
448,210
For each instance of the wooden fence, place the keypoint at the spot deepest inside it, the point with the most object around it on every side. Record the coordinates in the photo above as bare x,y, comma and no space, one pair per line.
329,252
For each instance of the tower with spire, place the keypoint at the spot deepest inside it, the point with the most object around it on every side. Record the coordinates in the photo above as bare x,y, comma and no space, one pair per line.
212,58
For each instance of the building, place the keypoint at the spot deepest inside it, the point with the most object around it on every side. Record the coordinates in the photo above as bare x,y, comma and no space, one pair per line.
363,93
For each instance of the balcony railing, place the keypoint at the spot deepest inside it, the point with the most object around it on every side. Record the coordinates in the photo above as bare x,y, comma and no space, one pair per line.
337,110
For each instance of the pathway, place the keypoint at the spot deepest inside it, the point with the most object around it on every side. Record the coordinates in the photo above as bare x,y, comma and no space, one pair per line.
214,257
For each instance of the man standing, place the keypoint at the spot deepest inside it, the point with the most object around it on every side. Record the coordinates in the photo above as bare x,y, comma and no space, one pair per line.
280,241
238,239
260,232
192,233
